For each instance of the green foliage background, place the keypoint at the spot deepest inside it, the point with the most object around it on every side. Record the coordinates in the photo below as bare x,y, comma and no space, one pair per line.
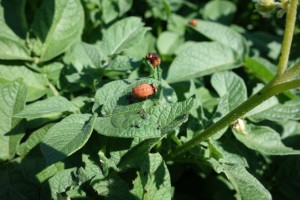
69,127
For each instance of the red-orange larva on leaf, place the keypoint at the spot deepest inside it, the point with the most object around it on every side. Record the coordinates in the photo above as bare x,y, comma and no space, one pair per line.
153,58
193,22
143,91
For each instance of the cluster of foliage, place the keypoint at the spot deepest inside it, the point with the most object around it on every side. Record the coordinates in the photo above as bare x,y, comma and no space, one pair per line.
69,127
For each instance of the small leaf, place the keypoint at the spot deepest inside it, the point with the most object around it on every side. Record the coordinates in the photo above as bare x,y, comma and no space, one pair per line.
231,84
260,68
137,154
168,42
223,34
221,11
34,139
112,187
84,55
36,83
199,59
12,100
153,180
124,6
57,25
46,108
109,11
67,137
246,185
120,63
264,140
61,182
122,35
228,152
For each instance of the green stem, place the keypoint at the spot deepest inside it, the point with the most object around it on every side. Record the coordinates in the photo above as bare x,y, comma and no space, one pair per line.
289,74
237,113
53,89
280,83
288,36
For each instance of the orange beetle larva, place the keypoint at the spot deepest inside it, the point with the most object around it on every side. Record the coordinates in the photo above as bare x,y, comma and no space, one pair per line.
143,91
193,22
153,58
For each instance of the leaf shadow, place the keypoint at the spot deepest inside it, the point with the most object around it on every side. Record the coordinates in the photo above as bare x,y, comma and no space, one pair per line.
51,155
13,16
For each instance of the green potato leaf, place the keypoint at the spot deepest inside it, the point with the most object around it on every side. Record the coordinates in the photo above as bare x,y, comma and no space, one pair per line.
153,180
195,60
36,83
57,25
12,100
67,137
264,140
223,34
122,35
46,108
246,185
13,30
147,123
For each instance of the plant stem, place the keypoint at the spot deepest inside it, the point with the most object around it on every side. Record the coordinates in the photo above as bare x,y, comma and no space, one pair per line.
281,82
53,89
288,36
265,93
290,73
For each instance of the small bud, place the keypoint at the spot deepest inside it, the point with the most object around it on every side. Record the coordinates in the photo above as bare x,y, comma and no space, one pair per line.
265,6
240,126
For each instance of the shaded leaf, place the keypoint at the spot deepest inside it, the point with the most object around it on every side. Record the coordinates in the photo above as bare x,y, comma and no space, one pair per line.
112,187
34,139
153,180
13,29
61,182
14,184
246,185
67,137
227,151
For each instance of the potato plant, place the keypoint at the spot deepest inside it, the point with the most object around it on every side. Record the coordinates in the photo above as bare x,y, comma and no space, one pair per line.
152,100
